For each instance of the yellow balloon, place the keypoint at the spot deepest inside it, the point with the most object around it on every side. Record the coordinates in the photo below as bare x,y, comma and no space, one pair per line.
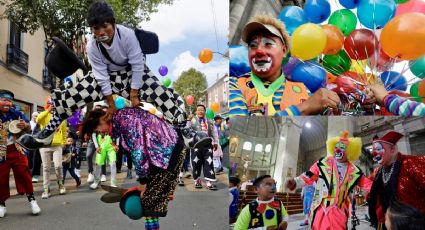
358,66
308,41
152,111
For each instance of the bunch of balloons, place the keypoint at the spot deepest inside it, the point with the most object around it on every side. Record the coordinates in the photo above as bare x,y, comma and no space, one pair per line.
328,45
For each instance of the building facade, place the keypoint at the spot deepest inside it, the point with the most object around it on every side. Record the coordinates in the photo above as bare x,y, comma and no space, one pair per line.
22,68
219,93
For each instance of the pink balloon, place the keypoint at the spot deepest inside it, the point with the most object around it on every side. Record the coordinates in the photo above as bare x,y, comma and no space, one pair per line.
411,6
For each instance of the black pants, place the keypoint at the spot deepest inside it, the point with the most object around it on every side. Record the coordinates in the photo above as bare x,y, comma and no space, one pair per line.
34,162
121,153
202,161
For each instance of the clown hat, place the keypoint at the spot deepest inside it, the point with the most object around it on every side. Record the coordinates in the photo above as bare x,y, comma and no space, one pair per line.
61,61
131,204
391,137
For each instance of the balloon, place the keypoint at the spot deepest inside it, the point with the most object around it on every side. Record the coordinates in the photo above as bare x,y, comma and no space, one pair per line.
365,78
380,61
403,37
394,81
360,44
152,111
414,91
166,82
215,107
411,6
74,119
209,114
163,70
205,55
375,13
311,74
344,19
358,66
334,39
344,85
238,63
338,63
287,69
308,41
68,79
418,67
349,4
330,78
119,102
286,59
317,11
401,1
292,17
189,99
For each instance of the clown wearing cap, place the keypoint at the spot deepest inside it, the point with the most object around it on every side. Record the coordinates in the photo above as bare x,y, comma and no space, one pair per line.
265,88
399,177
11,156
336,176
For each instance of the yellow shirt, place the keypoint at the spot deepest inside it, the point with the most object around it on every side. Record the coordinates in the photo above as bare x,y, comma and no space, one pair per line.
266,101
59,137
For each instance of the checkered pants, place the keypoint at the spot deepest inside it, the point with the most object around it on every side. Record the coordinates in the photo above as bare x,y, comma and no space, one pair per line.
202,160
74,95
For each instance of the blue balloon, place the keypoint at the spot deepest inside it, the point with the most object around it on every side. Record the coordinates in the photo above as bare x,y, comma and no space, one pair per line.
374,14
311,74
349,4
119,103
133,207
394,81
68,79
238,63
292,17
317,11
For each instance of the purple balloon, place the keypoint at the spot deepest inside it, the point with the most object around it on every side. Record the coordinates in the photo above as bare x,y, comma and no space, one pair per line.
74,119
163,70
290,65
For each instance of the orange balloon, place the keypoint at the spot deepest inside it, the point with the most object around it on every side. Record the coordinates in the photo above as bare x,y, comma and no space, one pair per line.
205,55
403,37
421,90
215,107
330,78
334,39
365,78
48,102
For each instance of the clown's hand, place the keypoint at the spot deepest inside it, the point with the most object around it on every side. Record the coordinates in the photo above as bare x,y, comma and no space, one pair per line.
171,196
291,184
142,189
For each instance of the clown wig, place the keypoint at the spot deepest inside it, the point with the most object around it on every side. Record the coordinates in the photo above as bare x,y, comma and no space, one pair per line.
354,145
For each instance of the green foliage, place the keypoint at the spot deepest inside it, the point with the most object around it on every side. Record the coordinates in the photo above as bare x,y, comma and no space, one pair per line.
191,82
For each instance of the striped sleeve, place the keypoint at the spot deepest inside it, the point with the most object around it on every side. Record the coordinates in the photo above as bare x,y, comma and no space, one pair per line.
237,102
290,111
403,107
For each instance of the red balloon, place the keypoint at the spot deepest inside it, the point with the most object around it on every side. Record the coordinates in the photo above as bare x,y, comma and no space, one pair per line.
381,61
344,85
360,44
189,99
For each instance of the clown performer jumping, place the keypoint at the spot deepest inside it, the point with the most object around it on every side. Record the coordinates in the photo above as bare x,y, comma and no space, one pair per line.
399,177
12,123
118,67
336,176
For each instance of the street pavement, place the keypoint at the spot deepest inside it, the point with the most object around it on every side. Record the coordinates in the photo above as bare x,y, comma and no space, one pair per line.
82,209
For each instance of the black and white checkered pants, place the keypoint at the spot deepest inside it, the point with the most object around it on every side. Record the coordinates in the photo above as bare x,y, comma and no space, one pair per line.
74,95
202,161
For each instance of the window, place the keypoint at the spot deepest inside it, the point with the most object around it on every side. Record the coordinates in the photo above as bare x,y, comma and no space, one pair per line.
15,35
258,148
268,148
247,146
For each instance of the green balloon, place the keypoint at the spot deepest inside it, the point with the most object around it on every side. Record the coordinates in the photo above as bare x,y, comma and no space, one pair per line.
286,59
210,114
414,92
418,67
344,19
338,63
166,82
401,1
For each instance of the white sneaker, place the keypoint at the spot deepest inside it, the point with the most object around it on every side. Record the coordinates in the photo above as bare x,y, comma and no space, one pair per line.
77,172
62,190
94,185
103,178
90,178
2,211
34,207
45,194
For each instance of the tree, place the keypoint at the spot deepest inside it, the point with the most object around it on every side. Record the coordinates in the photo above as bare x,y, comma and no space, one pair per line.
191,82
66,19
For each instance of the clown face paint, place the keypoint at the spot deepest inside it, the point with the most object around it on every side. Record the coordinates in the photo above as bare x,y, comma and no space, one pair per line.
265,54
267,189
5,104
339,152
383,153
104,33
